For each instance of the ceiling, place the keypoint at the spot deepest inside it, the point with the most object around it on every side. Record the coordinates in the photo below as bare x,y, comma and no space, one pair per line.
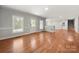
54,11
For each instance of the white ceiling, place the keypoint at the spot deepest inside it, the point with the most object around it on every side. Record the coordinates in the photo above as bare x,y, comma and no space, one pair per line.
54,11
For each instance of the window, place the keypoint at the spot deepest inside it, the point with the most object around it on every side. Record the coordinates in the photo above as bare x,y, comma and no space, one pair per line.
33,23
41,24
17,24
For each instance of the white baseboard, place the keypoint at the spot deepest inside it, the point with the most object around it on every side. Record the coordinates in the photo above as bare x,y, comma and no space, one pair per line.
17,35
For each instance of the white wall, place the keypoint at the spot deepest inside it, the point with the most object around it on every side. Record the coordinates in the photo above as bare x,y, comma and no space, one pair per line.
76,22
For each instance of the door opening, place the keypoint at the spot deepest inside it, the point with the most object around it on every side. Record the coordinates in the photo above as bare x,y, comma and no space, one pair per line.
71,24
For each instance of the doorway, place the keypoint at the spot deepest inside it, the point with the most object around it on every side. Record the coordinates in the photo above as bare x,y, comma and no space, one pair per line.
71,24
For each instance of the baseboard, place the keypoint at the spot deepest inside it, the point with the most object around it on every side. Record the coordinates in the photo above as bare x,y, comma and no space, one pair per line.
18,35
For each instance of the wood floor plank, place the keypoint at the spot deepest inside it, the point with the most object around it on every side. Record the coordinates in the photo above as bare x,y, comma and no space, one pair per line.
42,42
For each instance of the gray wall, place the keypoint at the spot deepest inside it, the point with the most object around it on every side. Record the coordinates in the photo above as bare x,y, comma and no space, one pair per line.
6,22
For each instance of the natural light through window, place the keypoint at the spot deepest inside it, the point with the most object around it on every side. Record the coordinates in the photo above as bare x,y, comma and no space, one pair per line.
33,23
41,24
17,24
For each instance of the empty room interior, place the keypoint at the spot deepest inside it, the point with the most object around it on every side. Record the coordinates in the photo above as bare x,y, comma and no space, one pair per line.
39,29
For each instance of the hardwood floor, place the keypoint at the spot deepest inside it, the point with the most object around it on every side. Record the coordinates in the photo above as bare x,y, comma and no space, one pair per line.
58,41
